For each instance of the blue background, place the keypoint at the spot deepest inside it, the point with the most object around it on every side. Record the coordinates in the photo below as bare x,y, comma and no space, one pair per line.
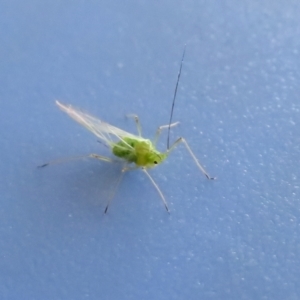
238,104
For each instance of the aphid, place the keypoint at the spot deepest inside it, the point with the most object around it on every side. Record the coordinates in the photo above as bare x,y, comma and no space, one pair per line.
135,151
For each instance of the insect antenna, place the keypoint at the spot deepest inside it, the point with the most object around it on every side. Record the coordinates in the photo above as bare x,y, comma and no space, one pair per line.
173,103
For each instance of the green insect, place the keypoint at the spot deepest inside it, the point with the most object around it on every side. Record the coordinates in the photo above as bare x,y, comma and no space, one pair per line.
135,151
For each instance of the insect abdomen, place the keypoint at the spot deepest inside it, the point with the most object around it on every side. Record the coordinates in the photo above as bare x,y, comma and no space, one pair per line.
125,149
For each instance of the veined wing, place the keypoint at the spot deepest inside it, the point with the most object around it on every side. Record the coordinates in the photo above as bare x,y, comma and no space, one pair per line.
102,130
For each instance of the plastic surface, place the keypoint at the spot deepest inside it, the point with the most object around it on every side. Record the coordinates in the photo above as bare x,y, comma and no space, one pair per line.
238,107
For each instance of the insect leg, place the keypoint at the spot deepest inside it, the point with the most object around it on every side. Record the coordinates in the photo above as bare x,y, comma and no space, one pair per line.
160,128
157,188
59,161
137,122
182,140
111,196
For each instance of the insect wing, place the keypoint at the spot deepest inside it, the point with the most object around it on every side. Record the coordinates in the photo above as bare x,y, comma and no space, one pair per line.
102,130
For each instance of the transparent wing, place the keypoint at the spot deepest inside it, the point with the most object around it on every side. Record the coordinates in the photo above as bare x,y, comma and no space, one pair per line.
102,130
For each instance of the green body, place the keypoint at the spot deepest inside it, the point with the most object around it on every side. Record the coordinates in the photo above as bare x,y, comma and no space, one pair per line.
139,151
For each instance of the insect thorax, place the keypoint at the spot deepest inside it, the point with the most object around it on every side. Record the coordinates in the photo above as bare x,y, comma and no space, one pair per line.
138,151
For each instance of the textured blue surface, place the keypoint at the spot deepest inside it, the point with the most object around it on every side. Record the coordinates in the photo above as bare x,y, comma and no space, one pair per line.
238,104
